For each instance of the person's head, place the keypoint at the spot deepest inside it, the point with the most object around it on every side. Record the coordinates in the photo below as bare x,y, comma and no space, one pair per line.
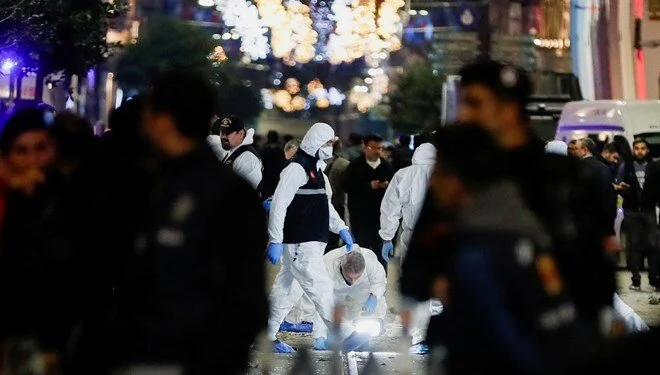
73,139
372,147
404,140
556,147
318,141
611,153
232,131
290,148
355,139
352,267
572,146
584,148
640,150
468,161
25,143
273,137
623,145
495,95
178,111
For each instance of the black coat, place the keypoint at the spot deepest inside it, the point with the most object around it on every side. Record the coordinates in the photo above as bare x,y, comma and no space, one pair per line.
633,196
604,190
558,191
273,160
196,265
363,201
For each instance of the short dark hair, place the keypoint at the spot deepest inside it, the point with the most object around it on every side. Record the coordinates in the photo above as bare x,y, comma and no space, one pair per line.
73,137
611,148
273,136
127,118
507,81
640,140
23,121
469,152
188,97
372,138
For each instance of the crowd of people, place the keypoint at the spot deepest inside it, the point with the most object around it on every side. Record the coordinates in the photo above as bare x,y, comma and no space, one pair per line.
147,246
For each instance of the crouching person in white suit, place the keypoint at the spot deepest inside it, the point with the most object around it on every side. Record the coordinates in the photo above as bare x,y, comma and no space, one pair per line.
300,216
359,283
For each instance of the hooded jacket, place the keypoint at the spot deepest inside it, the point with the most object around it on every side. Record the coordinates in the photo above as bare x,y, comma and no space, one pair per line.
405,195
294,176
247,165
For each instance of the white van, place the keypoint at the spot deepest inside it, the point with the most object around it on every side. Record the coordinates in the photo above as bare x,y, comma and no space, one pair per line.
601,120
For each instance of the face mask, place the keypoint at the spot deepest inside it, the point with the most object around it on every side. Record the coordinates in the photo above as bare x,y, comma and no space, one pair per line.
325,153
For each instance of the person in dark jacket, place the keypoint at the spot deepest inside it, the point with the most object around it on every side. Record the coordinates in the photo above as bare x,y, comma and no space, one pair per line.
507,307
367,178
639,215
197,261
272,157
604,187
554,187
402,153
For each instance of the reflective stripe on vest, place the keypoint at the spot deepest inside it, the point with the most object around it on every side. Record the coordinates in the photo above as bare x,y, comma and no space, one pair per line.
310,191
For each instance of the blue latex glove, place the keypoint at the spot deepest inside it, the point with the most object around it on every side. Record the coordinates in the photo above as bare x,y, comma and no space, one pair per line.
282,347
347,238
274,252
370,305
266,204
388,250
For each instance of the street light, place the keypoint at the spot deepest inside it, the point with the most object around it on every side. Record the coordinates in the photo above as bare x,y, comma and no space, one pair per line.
7,66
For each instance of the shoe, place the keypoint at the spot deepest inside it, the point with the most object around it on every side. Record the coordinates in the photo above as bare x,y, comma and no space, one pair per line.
304,327
282,347
321,343
419,349
636,288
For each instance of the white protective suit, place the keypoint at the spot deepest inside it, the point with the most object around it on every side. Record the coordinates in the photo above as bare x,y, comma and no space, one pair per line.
352,297
302,263
628,316
404,198
403,202
247,165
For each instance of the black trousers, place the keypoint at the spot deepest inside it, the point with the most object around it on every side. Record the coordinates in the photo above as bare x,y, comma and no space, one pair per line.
641,236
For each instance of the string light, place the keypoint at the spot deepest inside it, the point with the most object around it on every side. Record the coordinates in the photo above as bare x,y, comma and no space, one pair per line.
243,17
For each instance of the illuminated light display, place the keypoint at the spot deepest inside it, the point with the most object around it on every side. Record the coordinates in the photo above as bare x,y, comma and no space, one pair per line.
244,20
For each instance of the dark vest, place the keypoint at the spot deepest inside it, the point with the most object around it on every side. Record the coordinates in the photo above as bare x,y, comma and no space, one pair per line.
308,217
229,160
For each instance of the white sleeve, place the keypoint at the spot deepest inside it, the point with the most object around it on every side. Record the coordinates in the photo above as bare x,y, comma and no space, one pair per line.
336,223
390,209
248,166
291,179
376,274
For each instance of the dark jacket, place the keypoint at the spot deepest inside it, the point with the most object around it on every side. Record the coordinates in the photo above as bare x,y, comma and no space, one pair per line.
509,309
557,190
273,160
402,158
604,190
633,196
196,264
363,201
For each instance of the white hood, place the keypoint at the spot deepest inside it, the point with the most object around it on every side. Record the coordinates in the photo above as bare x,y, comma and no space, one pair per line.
424,154
249,138
318,135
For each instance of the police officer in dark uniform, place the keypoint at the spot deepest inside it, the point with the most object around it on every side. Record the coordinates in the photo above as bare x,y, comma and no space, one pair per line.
507,309
193,268
555,188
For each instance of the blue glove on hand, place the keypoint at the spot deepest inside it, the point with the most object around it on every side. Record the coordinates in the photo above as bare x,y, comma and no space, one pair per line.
370,306
388,250
266,204
274,252
347,238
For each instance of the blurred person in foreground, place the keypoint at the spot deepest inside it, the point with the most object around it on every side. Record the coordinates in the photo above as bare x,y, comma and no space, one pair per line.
177,288
507,308
359,284
555,188
403,153
301,217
